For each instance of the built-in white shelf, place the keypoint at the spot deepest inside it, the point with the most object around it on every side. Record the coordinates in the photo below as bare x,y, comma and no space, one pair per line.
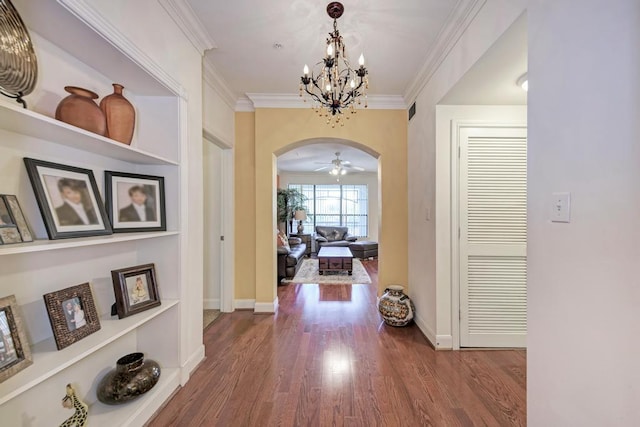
14,118
48,361
52,245
138,411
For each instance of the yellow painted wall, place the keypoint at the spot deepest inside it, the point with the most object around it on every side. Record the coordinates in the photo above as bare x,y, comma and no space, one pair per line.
245,206
381,131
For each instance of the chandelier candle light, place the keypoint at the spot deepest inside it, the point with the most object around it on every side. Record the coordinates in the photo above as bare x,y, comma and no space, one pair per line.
336,86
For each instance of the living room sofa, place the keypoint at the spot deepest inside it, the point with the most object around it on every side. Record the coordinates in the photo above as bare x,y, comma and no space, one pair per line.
333,236
290,258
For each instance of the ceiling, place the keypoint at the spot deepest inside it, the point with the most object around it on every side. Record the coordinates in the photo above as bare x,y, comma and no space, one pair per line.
396,38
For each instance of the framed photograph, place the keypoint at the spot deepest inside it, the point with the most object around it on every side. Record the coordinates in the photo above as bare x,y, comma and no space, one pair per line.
68,199
135,202
9,234
72,314
16,215
15,354
136,289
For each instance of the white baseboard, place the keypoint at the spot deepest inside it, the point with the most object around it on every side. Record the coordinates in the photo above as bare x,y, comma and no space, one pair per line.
191,364
266,307
439,342
244,304
211,303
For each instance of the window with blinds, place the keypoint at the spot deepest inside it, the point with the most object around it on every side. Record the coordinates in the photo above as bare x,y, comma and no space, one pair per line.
337,205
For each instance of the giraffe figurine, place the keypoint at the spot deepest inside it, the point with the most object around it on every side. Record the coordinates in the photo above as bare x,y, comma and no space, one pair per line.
79,417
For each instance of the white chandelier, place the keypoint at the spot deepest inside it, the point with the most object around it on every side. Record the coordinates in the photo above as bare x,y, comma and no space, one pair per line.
335,87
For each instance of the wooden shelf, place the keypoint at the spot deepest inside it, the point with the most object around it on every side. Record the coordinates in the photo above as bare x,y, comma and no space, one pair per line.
48,361
14,118
52,245
140,410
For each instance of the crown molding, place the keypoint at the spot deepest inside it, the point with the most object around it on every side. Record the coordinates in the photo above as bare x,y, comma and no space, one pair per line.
216,82
98,23
244,105
290,100
457,23
189,23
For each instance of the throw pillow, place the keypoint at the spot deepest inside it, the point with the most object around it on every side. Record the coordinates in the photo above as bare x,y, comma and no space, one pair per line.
335,235
282,240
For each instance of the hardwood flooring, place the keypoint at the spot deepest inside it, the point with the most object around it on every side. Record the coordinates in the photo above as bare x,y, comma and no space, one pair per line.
327,359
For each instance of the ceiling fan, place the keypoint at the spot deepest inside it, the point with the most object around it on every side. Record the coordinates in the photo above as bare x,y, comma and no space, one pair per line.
338,166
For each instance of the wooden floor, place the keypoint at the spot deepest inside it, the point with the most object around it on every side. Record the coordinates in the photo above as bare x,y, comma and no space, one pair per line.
327,359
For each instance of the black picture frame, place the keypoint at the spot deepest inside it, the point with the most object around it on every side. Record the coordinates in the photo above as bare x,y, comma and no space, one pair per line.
15,353
128,196
135,289
50,181
64,323
16,215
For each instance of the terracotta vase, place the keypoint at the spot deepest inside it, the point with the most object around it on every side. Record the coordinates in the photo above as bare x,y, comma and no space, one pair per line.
120,114
395,307
132,377
79,109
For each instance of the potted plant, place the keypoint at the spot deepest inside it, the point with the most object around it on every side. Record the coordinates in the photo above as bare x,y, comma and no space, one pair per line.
290,200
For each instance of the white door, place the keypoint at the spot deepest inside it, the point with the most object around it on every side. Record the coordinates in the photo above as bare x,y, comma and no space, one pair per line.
213,224
493,236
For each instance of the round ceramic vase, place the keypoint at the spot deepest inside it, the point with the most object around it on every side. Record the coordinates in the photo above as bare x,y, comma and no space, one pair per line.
120,115
132,377
79,109
395,307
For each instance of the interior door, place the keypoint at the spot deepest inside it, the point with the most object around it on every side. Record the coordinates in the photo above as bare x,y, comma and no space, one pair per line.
213,225
493,236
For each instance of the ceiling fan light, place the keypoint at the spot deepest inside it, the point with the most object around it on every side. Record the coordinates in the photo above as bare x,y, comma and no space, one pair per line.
343,172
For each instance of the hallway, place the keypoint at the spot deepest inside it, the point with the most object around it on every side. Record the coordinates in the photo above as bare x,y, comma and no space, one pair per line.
327,358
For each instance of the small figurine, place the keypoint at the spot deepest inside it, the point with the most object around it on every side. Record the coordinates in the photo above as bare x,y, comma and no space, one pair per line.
79,417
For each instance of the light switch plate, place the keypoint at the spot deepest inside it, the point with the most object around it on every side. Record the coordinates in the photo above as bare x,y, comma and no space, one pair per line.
561,207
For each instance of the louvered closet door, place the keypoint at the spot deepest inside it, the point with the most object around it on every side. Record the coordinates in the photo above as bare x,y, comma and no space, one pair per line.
493,237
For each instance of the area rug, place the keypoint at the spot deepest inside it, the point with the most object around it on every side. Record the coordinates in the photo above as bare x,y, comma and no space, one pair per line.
308,273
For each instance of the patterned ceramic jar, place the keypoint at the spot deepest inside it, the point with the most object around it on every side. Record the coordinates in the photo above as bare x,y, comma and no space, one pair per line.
395,307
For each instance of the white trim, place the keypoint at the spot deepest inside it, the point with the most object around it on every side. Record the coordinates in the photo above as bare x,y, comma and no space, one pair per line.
266,307
215,138
212,77
440,342
211,303
457,23
192,363
98,23
189,23
244,105
291,100
228,225
244,304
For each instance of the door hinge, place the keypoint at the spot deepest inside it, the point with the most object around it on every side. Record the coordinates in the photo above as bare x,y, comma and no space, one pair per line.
458,151
458,233
222,238
459,314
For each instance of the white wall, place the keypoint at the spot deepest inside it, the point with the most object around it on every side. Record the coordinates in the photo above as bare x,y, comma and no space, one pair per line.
447,295
218,116
490,22
212,158
584,287
370,179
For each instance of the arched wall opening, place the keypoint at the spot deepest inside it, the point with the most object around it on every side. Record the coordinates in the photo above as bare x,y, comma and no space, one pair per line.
265,133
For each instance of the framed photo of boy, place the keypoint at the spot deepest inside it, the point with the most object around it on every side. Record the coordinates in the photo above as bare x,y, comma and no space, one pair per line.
15,354
135,202
72,314
136,289
68,199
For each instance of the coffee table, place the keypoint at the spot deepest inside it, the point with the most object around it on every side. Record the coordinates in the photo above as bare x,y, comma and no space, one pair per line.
335,259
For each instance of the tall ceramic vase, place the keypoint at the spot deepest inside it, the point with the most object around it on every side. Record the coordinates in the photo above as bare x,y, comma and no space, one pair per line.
133,376
120,114
79,109
395,307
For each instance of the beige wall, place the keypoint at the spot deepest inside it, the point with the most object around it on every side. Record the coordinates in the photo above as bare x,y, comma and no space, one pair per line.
383,132
245,206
